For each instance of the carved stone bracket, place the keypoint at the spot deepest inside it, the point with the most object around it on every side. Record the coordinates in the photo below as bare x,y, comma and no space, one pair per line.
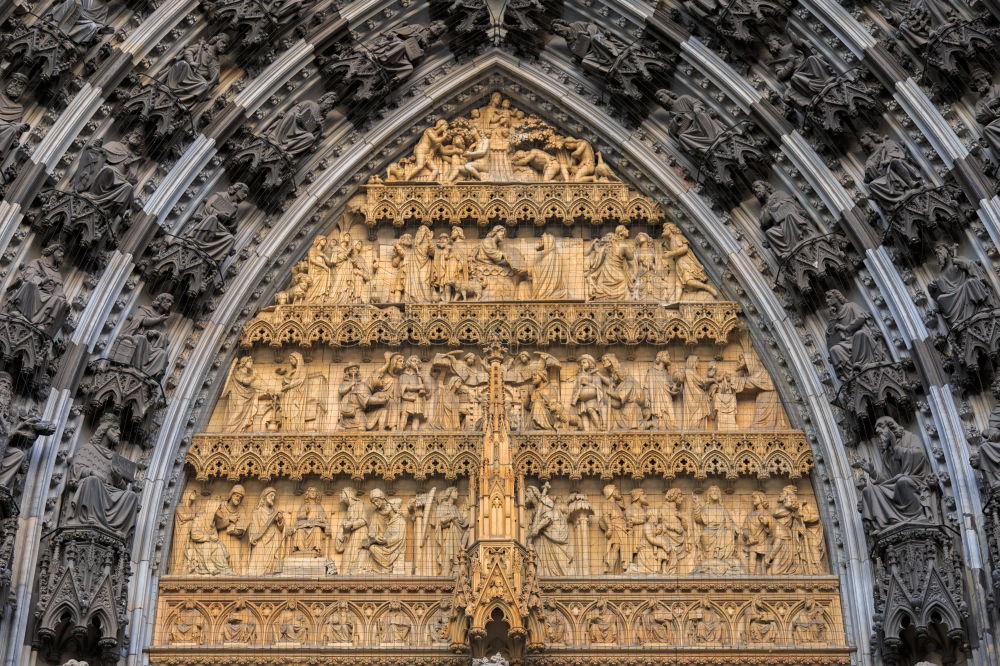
871,389
83,225
25,349
386,455
760,455
83,583
918,592
474,323
568,203
975,341
133,395
181,267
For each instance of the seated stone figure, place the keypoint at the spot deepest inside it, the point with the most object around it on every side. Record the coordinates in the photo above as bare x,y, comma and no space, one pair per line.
166,104
807,255
18,432
717,151
911,203
56,41
191,265
102,483
271,157
901,494
101,196
968,303
365,72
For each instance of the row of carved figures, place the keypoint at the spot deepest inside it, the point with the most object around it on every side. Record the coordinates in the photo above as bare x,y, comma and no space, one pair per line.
422,269
543,394
659,622
428,534
499,143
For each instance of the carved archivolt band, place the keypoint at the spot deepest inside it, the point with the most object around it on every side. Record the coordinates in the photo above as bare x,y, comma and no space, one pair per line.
759,455
473,324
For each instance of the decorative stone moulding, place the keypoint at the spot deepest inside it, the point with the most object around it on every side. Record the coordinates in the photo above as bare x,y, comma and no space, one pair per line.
514,203
539,323
667,454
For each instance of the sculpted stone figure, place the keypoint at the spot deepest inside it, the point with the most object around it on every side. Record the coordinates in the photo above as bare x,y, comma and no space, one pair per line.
546,273
852,338
500,265
56,41
265,536
757,535
987,457
207,555
810,624
102,483
610,267
394,626
804,251
254,22
188,627
659,624
168,102
143,345
625,69
371,71
717,151
660,386
704,625
184,555
690,275
18,432
291,626
717,536
386,536
339,627
900,495
12,115
602,624
384,402
354,394
827,99
240,627
962,289
311,528
987,114
768,412
909,200
627,409
762,624
589,395
231,522
353,532
617,557
213,225
243,391
548,533
449,527
271,158
36,293
412,394
102,194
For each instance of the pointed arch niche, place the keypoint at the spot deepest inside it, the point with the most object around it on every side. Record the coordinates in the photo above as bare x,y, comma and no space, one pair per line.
505,401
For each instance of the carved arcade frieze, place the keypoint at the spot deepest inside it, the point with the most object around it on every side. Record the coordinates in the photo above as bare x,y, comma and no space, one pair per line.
450,417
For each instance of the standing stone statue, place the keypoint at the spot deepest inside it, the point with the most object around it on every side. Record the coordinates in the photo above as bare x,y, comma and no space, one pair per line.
450,526
265,536
717,536
231,522
353,533
548,533
616,530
